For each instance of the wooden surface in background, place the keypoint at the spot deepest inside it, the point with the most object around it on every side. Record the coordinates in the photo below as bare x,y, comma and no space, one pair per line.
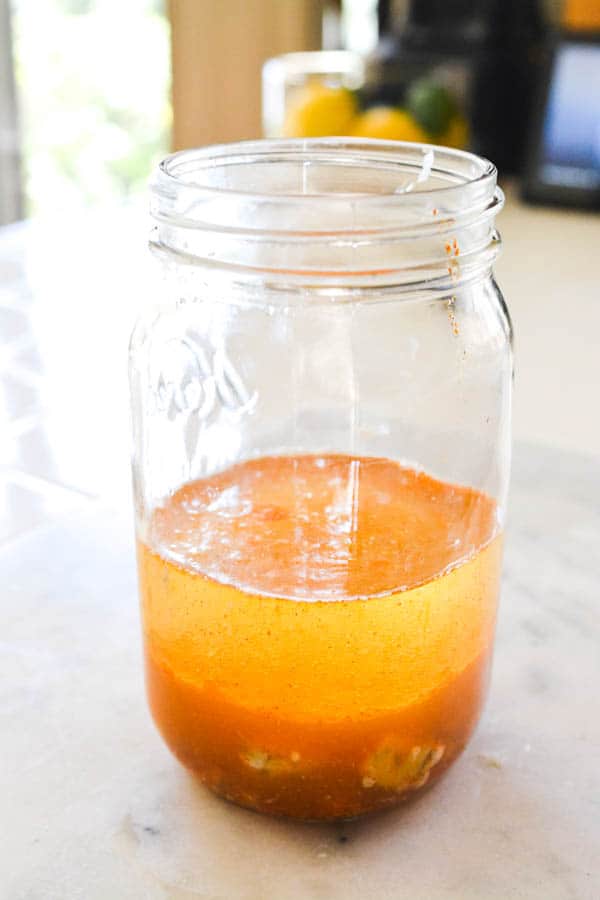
218,48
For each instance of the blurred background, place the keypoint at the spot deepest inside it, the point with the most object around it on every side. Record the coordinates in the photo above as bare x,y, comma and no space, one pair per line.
94,92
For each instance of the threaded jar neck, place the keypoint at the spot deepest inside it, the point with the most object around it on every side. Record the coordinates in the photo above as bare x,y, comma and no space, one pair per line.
337,212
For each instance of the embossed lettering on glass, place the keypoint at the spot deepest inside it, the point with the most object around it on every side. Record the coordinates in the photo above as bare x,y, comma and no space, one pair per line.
321,408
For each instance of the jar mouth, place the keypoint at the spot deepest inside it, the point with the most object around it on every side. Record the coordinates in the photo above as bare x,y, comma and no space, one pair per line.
367,171
342,197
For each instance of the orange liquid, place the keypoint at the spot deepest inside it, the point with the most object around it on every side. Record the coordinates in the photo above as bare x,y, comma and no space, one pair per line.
318,630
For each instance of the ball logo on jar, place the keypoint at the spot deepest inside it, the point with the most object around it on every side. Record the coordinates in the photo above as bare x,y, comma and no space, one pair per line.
194,378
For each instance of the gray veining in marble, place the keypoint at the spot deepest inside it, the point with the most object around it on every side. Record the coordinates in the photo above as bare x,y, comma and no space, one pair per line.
94,807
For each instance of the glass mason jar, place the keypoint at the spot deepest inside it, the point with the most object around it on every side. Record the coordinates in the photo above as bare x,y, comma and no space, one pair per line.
288,80
321,405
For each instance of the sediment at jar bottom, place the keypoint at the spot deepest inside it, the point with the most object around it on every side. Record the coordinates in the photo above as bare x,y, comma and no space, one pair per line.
318,629
315,770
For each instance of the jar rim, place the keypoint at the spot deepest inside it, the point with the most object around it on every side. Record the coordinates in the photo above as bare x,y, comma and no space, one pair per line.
370,151
315,62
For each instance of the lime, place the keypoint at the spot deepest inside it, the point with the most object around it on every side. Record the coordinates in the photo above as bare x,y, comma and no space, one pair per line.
319,111
388,123
432,105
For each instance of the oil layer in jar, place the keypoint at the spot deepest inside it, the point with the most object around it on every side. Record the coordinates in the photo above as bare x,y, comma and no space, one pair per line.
318,629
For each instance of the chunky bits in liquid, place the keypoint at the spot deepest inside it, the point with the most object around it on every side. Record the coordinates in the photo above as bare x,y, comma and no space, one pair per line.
318,629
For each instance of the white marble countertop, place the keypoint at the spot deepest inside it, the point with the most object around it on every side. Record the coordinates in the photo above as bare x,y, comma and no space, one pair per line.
93,805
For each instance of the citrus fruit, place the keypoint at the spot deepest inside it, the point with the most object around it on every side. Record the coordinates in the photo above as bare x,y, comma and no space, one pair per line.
432,105
319,111
456,134
388,123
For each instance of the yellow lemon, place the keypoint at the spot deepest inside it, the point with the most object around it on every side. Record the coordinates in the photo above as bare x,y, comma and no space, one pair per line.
456,134
389,124
318,111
